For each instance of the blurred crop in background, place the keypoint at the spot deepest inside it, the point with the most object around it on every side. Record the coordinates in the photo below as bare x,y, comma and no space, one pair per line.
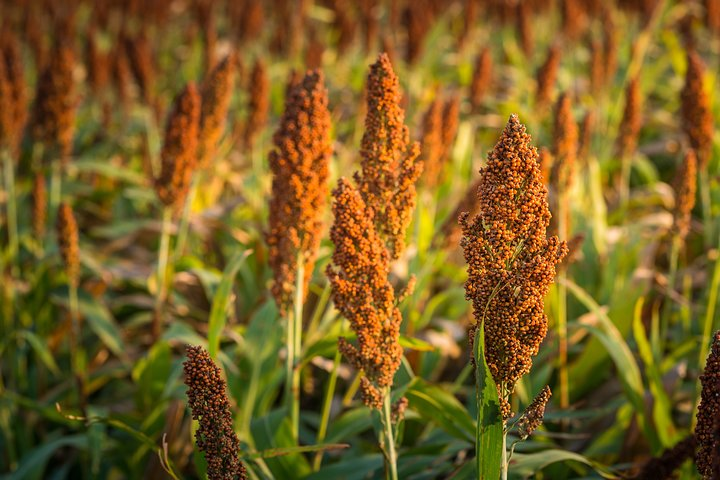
259,179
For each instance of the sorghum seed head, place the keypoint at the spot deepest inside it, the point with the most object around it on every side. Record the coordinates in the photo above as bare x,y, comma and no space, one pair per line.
389,160
696,113
708,412
631,123
685,186
300,166
533,416
511,262
671,459
179,152
53,115
482,77
216,93
524,28
363,294
546,76
142,63
432,142
259,103
11,56
209,404
67,234
565,144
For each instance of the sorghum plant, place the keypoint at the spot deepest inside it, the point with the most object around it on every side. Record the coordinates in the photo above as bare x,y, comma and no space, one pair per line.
178,160
209,404
511,264
389,160
708,443
299,163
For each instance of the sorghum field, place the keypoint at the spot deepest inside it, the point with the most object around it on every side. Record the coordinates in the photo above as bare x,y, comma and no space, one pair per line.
372,239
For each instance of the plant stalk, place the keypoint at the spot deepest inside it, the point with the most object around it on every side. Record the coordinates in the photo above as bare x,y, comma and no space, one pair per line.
294,345
184,227
505,459
11,210
389,443
562,309
162,273
325,414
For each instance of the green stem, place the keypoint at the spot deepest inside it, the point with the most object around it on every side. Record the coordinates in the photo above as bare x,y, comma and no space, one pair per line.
11,210
505,459
162,273
625,181
672,276
318,313
77,355
185,219
562,309
55,190
706,201
294,345
325,414
389,440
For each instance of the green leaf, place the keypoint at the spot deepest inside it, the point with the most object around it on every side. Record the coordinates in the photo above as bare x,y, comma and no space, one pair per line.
622,356
435,404
39,345
32,465
662,407
527,465
355,469
415,344
277,452
489,431
220,301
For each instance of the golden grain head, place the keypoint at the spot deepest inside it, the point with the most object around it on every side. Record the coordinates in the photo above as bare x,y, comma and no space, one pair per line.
300,166
511,262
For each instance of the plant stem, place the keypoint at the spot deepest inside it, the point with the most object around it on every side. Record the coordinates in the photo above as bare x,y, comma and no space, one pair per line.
162,273
294,345
76,351
55,190
505,459
326,406
672,275
11,210
389,444
562,309
705,200
185,219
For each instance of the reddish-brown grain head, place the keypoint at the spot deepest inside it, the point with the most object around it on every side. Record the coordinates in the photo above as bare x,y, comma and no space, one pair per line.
708,443
300,167
389,160
210,406
67,235
216,93
631,123
363,294
11,56
179,152
259,103
546,77
482,77
53,115
511,262
565,144
685,187
696,112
